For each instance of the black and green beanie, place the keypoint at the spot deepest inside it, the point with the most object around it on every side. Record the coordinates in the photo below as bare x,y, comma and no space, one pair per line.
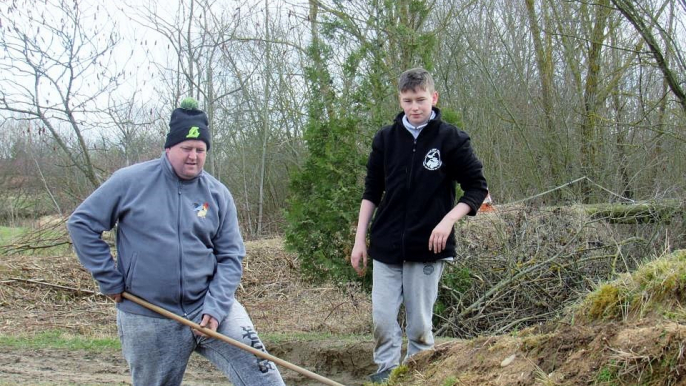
188,122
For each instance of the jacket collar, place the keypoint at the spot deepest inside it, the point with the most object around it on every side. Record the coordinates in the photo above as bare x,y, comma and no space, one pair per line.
399,118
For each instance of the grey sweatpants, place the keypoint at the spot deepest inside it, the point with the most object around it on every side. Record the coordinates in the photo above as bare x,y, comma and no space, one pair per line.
157,350
415,285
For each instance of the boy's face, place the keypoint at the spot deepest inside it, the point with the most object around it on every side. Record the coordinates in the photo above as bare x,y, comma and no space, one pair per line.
417,105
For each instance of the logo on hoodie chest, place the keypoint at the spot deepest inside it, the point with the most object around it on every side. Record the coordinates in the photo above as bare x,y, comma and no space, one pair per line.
432,160
201,209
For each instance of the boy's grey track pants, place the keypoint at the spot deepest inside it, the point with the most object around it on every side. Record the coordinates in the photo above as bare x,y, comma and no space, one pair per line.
416,285
157,349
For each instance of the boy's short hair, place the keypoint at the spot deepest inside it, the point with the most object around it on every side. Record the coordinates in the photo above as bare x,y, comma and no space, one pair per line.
415,78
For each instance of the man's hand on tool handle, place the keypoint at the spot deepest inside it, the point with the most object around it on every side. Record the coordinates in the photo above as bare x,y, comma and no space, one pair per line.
116,297
207,322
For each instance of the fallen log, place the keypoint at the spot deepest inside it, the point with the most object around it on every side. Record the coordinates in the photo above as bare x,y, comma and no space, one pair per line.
636,213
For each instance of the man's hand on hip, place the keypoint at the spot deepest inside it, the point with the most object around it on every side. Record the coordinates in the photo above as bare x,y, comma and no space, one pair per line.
116,297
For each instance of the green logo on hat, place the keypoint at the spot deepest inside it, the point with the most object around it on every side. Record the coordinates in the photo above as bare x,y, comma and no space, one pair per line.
194,132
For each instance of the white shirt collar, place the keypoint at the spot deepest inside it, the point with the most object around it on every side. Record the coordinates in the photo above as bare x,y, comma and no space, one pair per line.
415,130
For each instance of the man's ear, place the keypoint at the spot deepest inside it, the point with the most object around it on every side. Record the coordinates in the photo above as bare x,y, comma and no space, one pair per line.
434,98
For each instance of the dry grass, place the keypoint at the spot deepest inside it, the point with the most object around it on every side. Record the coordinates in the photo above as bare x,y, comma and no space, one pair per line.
278,298
48,292
31,301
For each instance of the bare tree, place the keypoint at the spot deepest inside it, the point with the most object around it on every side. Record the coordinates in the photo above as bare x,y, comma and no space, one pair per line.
660,41
134,123
195,35
264,58
58,62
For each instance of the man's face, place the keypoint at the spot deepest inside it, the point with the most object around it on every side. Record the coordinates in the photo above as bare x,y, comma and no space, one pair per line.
187,158
417,105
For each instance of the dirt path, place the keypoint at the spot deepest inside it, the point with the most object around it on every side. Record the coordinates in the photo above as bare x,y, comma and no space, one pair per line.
61,367
343,362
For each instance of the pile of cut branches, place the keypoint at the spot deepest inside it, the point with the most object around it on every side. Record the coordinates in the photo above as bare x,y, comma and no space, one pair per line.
521,265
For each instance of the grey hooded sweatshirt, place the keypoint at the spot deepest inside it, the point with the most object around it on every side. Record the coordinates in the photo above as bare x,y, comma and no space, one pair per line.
178,242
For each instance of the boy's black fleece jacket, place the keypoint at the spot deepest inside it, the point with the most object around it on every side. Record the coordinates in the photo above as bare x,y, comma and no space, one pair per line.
412,183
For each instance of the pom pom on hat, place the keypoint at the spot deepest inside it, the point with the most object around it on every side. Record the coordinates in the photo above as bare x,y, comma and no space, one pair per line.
189,104
188,122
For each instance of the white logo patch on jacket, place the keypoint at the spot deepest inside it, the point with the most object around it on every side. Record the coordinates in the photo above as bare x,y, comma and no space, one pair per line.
432,160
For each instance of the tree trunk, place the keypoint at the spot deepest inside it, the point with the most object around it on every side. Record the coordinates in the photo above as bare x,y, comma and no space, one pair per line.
590,140
544,63
265,117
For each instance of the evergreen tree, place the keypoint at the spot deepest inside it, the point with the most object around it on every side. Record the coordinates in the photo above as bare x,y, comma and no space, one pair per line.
343,116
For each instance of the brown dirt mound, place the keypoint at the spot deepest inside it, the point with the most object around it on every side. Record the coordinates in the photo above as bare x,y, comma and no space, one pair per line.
645,353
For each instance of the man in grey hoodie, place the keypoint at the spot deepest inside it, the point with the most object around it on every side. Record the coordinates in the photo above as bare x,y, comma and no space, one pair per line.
179,247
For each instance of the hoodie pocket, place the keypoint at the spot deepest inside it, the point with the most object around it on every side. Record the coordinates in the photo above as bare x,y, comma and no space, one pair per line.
130,269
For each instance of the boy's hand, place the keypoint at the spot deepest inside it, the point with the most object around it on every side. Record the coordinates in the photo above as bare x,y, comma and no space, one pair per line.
440,234
359,253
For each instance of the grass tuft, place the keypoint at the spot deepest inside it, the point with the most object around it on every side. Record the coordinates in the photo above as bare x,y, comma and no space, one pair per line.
7,234
59,340
656,287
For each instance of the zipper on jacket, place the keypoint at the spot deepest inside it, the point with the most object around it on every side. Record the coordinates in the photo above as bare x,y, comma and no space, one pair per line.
408,186
409,175
178,235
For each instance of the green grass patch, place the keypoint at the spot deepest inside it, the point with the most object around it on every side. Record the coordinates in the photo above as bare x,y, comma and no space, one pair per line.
45,241
8,234
398,374
55,339
52,383
606,376
450,381
658,287
59,340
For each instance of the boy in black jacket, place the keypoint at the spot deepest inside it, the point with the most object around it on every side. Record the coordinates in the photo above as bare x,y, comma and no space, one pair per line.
411,175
